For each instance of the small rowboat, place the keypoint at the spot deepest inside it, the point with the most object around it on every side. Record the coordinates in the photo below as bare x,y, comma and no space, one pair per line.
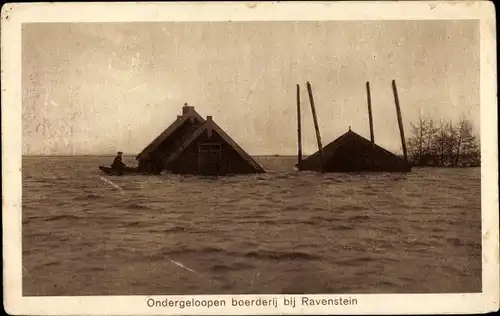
124,171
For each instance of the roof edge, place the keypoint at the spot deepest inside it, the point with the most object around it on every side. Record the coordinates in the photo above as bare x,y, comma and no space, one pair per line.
169,131
237,147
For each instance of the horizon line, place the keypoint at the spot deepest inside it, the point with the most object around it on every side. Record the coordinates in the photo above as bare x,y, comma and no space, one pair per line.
134,155
129,156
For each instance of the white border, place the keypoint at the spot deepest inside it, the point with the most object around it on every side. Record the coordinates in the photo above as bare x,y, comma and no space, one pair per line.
13,15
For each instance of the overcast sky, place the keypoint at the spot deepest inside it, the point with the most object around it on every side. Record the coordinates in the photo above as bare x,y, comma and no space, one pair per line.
99,88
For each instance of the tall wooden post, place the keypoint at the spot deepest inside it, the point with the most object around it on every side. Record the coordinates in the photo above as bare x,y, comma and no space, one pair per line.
316,127
400,120
369,100
299,127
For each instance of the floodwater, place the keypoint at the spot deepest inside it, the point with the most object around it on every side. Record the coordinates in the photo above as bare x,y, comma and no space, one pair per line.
85,233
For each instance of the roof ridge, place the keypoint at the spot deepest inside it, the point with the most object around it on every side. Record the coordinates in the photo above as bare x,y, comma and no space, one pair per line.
192,114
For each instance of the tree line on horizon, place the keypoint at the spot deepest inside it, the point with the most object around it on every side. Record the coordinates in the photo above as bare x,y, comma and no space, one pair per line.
443,143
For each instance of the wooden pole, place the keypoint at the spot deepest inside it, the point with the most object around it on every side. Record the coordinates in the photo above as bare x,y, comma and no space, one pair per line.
369,100
316,127
299,127
400,120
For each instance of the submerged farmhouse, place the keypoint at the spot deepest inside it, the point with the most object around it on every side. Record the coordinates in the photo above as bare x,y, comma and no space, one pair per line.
353,153
193,145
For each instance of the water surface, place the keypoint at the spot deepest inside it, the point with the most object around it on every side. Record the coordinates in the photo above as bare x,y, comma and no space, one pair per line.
279,232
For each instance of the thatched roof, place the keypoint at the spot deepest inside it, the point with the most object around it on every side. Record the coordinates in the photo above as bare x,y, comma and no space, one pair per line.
210,126
188,114
356,148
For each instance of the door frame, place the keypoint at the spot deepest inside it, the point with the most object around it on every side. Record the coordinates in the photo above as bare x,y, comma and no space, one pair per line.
209,146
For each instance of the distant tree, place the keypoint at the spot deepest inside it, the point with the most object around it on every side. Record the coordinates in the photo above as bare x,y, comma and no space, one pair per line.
467,145
416,140
441,140
450,147
443,144
430,142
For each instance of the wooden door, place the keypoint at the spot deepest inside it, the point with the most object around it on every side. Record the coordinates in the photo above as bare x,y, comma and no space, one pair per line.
209,159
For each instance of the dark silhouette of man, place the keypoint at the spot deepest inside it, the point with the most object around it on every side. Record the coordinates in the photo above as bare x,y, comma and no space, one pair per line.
118,164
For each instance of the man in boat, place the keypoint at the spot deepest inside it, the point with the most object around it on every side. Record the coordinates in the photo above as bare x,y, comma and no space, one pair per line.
118,164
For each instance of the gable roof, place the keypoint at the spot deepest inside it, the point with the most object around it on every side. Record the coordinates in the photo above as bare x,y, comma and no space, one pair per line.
209,125
191,114
330,149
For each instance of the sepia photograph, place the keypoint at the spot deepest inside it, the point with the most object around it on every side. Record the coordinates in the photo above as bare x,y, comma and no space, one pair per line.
211,157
